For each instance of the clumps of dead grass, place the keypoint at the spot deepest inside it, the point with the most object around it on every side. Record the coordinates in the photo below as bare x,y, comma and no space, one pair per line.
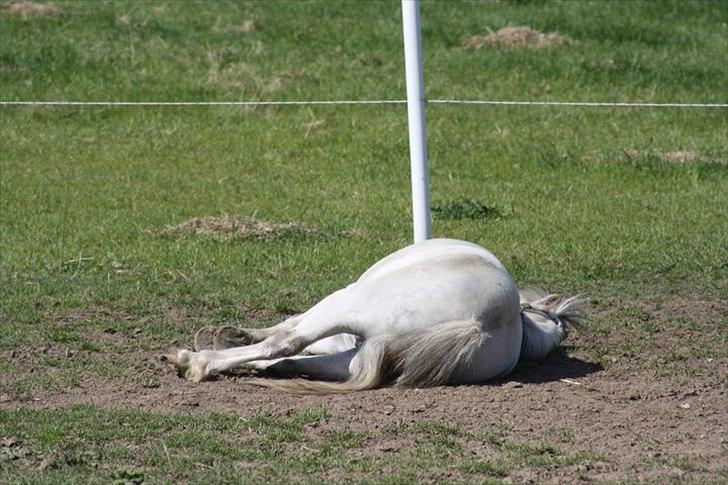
521,36
679,157
246,27
229,227
240,76
26,8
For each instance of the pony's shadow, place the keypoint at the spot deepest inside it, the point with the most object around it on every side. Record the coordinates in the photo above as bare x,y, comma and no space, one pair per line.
556,366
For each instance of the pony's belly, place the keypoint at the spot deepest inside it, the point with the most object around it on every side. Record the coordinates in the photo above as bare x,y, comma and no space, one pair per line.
332,345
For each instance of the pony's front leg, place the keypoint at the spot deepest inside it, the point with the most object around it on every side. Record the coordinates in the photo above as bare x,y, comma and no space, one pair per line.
198,366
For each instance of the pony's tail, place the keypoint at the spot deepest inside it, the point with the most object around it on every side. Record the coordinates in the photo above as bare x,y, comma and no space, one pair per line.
430,357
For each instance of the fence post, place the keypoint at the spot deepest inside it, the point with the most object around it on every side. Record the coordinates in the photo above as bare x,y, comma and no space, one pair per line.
416,119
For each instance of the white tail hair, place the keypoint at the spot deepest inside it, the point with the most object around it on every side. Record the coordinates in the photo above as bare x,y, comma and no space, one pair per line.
429,357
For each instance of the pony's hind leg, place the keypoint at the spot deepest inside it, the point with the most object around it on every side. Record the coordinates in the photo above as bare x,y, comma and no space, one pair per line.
227,337
255,335
312,327
231,337
203,339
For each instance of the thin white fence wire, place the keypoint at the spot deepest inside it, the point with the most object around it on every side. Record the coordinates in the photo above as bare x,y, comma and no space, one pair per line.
589,104
198,103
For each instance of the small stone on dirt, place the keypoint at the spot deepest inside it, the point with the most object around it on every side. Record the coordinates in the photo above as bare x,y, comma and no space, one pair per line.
521,36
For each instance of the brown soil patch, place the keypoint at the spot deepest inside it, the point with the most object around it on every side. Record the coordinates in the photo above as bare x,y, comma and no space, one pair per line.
227,226
522,36
26,8
652,405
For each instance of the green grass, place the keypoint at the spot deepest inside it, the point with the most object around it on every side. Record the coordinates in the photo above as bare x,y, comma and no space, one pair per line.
587,200
85,443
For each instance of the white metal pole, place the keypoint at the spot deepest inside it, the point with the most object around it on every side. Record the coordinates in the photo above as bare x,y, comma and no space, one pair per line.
416,118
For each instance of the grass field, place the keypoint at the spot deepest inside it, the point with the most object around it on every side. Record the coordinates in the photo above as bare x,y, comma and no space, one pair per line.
627,205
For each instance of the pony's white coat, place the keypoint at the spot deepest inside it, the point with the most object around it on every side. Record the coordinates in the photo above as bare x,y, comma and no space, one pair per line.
439,312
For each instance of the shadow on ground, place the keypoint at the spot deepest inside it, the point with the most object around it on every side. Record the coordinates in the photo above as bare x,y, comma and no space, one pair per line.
556,366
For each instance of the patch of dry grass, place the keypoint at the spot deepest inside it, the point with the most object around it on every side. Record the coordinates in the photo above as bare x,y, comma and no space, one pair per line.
680,157
227,226
520,36
26,8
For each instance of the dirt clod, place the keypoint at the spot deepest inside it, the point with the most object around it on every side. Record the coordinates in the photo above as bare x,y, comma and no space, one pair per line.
26,8
521,36
227,226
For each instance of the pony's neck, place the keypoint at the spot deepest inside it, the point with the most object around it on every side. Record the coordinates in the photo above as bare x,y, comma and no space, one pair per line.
540,336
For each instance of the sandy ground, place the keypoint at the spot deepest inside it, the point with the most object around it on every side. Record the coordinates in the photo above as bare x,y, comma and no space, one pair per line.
654,414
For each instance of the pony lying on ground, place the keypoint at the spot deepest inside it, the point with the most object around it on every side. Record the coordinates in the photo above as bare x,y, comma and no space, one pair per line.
439,312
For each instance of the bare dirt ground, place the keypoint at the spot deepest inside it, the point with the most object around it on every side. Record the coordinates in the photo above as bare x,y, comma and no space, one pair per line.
653,409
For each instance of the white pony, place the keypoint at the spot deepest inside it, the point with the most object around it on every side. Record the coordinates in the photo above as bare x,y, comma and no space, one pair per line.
439,312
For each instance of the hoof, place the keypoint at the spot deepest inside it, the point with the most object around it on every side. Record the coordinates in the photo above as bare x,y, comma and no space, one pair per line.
230,337
178,357
204,339
192,366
